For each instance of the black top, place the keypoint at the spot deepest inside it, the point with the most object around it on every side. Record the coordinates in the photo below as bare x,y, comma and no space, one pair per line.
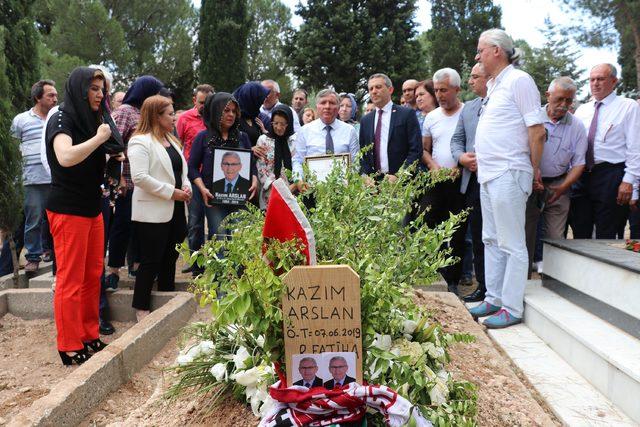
252,130
75,190
176,165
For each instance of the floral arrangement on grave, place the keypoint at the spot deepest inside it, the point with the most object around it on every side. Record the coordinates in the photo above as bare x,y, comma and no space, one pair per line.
632,245
357,224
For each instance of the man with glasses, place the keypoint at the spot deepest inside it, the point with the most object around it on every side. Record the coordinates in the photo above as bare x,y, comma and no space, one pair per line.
232,182
308,368
338,368
409,93
463,151
509,142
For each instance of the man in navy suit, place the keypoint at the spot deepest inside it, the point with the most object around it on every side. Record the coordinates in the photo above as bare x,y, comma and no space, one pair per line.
338,368
393,131
308,368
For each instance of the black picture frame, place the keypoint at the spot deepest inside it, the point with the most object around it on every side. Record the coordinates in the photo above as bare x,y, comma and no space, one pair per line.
240,165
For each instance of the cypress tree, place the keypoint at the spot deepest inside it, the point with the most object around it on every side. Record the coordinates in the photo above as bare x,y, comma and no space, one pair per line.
342,42
222,43
10,159
20,50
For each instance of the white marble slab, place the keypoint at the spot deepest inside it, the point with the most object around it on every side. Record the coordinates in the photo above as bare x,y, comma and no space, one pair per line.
571,398
616,286
604,355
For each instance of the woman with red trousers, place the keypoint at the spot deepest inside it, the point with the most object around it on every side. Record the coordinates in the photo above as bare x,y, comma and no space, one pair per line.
74,144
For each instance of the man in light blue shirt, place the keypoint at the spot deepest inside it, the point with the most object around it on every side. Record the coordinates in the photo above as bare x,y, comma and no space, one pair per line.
28,127
325,135
562,164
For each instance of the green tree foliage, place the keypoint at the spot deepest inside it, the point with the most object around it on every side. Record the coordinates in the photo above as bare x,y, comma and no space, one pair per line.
554,59
10,159
20,42
159,37
456,27
266,42
626,58
341,43
222,43
130,38
605,22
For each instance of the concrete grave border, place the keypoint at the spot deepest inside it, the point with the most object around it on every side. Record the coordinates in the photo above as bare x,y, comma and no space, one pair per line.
75,396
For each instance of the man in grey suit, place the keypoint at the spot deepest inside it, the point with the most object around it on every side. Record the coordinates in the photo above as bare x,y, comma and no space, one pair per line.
463,151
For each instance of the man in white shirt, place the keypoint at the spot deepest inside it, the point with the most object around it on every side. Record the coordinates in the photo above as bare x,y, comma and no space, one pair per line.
324,135
27,127
601,197
509,142
445,198
271,101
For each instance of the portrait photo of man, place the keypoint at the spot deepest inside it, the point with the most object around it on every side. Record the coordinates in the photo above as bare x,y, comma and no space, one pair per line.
308,368
338,368
231,187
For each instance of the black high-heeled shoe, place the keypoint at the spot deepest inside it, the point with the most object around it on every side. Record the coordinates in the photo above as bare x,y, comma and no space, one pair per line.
79,357
95,345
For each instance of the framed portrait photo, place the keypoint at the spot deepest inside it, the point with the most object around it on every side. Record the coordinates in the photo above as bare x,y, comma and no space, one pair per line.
231,175
321,166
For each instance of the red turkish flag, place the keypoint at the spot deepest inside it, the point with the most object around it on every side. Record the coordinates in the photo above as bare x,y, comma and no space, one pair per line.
284,220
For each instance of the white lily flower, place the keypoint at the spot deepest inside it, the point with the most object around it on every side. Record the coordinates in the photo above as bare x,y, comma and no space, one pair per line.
260,341
409,326
257,399
248,378
439,393
383,342
207,347
219,371
241,357
184,359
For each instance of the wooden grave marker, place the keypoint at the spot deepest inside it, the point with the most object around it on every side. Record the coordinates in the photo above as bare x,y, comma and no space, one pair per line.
321,313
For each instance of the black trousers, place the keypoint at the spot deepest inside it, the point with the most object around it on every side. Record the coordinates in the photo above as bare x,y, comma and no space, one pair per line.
593,203
120,230
445,198
158,255
475,222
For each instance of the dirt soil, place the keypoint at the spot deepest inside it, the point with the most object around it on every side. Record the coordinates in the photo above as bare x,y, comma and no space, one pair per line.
29,363
503,398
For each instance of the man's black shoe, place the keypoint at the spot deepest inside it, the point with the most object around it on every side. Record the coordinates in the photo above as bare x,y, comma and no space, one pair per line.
188,268
106,328
475,296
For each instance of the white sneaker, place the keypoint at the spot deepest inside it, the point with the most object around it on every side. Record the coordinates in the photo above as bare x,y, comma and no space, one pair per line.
539,267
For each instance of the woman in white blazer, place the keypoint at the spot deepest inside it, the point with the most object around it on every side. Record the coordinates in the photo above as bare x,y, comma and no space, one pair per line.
161,188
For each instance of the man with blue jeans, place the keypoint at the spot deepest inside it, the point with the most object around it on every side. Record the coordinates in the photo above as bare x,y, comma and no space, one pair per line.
27,127
509,141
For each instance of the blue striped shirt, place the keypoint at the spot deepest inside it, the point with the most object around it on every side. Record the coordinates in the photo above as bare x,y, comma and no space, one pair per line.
28,128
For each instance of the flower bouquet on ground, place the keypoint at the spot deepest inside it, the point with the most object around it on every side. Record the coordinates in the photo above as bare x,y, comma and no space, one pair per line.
632,245
377,231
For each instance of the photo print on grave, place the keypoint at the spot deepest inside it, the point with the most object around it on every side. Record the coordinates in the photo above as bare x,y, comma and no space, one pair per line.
231,175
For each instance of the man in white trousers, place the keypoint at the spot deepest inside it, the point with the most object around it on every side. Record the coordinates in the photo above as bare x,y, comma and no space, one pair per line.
509,142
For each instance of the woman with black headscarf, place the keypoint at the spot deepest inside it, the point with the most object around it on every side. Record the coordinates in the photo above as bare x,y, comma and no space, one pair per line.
250,97
74,144
126,118
278,145
221,115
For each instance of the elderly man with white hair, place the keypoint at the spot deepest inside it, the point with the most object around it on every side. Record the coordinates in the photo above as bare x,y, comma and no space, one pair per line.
561,165
272,101
509,142
445,198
